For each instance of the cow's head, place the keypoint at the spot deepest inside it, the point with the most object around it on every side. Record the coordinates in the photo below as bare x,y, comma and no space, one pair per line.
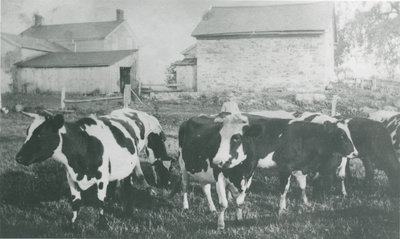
343,125
162,170
338,139
230,152
161,161
42,139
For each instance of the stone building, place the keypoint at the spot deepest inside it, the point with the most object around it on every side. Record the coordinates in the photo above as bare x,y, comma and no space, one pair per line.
186,70
254,48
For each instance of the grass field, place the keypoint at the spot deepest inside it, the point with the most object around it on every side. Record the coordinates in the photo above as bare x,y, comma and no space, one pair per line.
35,199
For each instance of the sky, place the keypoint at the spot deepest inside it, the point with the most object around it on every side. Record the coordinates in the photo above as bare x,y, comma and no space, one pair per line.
163,27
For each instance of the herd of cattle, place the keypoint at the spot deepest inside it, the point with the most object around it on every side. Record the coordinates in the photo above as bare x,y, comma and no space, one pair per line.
223,149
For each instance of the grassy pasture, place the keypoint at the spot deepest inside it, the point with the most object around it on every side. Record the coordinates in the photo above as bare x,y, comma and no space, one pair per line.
34,201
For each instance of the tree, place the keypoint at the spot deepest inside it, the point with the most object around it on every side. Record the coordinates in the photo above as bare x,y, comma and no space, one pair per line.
376,32
170,74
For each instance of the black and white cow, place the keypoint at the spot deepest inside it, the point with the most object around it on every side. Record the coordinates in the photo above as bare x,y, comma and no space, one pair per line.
94,150
227,150
249,139
305,148
371,141
375,148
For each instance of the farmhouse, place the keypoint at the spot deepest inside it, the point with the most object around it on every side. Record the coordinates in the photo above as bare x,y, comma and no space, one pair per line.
254,48
95,56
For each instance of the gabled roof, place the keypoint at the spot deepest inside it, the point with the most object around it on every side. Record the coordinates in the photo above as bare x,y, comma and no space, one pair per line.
305,18
76,31
76,59
186,62
33,43
190,52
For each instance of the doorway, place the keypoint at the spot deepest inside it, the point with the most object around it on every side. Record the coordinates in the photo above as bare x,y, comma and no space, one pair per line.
125,77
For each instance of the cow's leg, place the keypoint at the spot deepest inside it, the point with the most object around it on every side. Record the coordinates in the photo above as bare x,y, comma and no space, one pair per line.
369,171
343,186
76,198
185,181
151,158
223,201
140,176
349,176
207,192
102,184
153,168
284,188
341,174
302,181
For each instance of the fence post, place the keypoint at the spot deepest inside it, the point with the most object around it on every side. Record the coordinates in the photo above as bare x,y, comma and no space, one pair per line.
62,98
127,95
334,102
374,85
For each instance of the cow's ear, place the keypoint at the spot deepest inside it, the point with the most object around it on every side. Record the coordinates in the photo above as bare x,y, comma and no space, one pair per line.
251,131
57,121
329,127
163,137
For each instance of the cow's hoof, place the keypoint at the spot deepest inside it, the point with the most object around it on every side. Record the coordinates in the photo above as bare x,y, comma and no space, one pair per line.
102,224
221,227
282,212
152,192
72,227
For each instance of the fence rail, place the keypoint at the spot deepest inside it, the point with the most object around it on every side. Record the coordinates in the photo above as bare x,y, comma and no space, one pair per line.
126,98
373,84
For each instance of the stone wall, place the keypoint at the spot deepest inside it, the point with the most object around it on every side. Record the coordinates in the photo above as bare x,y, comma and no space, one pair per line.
302,63
185,77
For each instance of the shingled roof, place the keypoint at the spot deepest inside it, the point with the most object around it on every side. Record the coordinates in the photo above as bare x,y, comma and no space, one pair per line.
312,18
86,30
33,43
76,59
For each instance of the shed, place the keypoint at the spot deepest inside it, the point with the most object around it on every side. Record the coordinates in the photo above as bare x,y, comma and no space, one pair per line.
186,70
105,71
259,47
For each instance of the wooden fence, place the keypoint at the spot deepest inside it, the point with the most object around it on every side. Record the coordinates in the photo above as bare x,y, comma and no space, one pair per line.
126,98
373,84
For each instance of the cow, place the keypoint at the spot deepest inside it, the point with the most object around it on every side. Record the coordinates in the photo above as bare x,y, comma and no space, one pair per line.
226,151
371,142
247,140
94,150
391,120
306,148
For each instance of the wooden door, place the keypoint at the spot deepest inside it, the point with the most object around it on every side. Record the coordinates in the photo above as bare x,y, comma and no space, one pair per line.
125,77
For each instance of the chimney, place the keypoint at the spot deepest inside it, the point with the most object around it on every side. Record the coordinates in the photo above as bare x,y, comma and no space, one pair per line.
120,15
38,20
